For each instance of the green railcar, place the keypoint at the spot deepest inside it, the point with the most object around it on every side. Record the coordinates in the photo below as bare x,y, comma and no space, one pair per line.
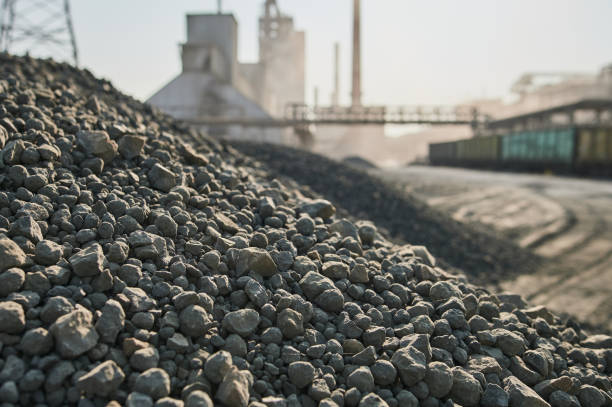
540,147
575,149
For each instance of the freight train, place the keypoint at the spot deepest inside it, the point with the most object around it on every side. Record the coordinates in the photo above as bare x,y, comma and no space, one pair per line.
578,150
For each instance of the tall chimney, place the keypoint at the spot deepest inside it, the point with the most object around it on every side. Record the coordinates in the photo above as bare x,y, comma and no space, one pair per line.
336,94
356,90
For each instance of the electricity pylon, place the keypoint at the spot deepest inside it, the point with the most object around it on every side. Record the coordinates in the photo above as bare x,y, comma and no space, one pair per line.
38,27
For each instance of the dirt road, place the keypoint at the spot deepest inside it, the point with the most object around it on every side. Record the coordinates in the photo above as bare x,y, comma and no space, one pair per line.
567,220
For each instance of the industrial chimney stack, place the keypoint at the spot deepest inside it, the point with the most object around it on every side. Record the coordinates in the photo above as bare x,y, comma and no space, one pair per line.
336,94
356,89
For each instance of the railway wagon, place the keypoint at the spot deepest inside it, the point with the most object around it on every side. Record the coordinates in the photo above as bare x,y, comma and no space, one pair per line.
478,151
539,150
594,151
443,153
580,150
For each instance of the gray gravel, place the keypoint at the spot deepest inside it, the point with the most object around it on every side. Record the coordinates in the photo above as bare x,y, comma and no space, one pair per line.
136,271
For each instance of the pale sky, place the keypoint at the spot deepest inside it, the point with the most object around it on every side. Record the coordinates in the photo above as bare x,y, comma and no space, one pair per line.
413,51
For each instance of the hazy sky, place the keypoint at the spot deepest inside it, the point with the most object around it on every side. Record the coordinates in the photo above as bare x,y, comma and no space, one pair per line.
413,51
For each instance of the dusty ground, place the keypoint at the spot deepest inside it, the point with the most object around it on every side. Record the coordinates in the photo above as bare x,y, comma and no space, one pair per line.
567,220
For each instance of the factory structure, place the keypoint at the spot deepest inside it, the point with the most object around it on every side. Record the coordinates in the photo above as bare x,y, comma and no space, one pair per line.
235,100
213,83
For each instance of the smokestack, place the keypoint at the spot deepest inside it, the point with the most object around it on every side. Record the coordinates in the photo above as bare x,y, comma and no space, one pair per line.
336,94
356,90
219,6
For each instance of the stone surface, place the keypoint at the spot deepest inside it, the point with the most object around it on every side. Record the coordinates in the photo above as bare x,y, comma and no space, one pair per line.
162,178
522,395
11,254
153,382
146,264
102,380
301,374
234,389
88,262
257,260
12,317
411,365
97,143
242,322
74,333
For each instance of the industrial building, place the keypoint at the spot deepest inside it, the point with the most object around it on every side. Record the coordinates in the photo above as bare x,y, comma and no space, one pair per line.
231,99
213,83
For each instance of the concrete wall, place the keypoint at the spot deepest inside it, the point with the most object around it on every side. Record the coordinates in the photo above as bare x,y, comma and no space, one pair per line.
220,31
203,58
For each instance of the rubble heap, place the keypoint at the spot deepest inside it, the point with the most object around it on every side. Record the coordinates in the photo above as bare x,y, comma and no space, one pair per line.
136,270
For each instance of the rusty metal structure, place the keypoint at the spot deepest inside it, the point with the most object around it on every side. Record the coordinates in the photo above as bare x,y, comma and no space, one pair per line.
39,27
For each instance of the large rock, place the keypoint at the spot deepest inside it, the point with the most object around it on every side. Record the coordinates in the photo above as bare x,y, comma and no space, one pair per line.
290,323
12,317
234,389
314,284
257,260
27,227
439,379
494,396
411,365
74,333
36,341
345,228
242,322
11,281
256,292
11,255
89,262
131,145
301,373
47,252
98,144
522,395
162,178
111,321
318,207
511,343
322,291
466,389
362,379
217,365
194,321
153,382
102,380
372,400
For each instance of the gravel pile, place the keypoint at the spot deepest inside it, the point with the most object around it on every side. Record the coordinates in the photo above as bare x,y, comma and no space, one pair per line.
484,256
135,271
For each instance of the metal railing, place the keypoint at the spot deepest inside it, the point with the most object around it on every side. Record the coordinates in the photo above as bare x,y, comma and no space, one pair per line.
304,115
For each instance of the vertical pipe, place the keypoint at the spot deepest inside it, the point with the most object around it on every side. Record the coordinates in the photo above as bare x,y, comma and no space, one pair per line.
336,94
316,96
356,89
